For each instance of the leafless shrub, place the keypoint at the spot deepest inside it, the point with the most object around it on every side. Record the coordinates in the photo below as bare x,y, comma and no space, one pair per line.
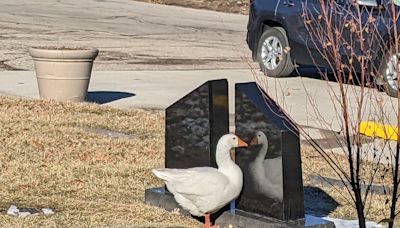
357,40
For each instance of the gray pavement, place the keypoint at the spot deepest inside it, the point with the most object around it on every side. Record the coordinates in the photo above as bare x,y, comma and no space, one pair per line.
130,89
130,35
306,99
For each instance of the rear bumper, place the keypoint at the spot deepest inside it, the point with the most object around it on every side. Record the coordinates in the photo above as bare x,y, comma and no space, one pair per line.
252,32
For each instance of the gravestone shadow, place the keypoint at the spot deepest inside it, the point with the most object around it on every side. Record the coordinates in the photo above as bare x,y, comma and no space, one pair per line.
103,97
317,202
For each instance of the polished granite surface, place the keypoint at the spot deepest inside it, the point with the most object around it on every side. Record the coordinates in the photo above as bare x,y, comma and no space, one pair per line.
194,125
272,171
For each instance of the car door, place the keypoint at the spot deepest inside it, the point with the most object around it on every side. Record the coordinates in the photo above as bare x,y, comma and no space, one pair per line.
319,36
347,16
298,17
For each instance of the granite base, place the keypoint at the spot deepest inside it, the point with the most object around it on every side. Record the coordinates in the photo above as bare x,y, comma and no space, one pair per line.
240,219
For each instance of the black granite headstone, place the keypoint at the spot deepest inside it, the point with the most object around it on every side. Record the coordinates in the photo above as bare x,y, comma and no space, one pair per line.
273,184
194,125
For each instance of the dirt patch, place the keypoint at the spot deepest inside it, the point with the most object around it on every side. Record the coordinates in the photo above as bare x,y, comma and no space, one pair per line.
179,61
62,48
228,6
113,55
5,66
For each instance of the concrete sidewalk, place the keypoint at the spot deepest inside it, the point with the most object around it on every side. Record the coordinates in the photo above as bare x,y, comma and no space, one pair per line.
298,96
131,89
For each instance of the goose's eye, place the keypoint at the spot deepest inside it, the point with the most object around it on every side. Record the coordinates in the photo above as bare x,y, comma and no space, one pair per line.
259,135
234,138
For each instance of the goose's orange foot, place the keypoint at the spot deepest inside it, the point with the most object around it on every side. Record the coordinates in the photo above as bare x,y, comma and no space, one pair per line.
207,223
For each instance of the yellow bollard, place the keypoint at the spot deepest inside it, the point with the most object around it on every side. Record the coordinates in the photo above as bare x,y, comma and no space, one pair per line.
373,129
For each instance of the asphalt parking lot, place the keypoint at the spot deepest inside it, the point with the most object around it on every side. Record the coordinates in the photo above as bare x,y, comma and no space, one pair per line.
130,35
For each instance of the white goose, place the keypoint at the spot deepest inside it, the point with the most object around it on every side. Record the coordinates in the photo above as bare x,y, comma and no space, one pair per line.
205,190
266,173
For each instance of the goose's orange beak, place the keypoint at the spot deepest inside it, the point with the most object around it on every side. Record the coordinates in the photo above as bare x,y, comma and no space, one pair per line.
254,141
241,143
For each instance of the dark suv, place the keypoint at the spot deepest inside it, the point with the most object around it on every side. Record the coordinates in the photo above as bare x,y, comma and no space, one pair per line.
279,39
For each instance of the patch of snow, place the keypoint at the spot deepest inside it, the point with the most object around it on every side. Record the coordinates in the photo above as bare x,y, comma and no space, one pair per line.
48,211
26,212
13,210
339,223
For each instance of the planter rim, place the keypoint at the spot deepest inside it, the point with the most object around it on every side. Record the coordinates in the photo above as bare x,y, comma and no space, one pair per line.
63,53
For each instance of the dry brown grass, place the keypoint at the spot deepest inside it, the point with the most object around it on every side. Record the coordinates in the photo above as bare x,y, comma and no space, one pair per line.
314,164
48,159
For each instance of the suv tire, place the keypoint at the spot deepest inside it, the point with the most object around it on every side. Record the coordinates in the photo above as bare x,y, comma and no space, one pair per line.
272,57
388,70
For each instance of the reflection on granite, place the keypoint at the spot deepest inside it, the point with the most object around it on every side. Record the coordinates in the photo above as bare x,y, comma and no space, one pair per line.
266,173
272,172
194,124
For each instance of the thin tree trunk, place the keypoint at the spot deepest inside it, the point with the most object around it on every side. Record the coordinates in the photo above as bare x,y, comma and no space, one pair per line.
360,209
395,187
354,177
396,158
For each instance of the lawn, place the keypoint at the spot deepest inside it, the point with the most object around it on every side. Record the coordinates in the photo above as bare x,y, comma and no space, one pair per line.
51,156
59,155
228,6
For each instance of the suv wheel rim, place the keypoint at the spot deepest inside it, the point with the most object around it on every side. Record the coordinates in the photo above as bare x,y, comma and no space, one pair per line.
271,53
391,72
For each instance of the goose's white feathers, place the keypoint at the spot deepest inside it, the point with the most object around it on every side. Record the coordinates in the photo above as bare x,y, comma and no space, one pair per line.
203,190
196,189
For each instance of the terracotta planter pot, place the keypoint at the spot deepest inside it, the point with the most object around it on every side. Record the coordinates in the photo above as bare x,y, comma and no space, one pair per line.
63,74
